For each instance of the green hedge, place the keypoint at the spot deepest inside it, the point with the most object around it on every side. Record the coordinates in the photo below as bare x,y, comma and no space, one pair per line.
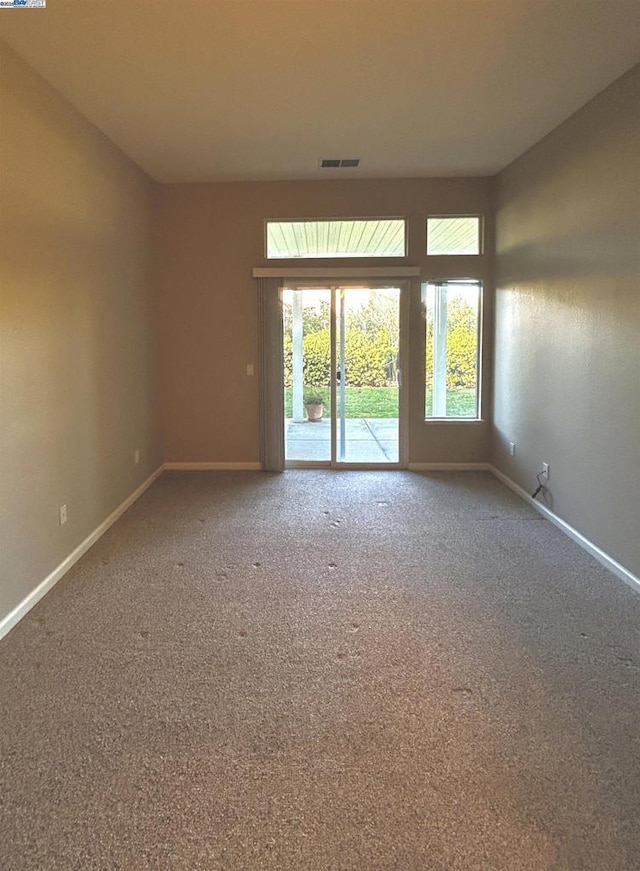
462,344
370,360
371,355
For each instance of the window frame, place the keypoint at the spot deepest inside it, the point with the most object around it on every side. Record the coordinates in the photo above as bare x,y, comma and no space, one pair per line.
480,283
478,215
394,257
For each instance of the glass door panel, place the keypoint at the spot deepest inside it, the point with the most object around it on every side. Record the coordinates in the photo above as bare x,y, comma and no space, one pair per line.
367,375
306,321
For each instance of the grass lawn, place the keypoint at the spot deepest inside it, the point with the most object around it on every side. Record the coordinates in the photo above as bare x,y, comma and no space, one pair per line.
383,401
359,401
461,402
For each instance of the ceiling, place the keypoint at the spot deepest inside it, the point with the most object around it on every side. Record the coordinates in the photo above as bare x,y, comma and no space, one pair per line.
209,90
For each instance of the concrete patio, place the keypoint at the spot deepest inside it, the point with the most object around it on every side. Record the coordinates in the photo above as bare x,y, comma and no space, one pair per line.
367,440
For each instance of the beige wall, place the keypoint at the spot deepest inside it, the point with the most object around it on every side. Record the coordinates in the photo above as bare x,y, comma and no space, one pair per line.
76,356
211,235
81,384
567,337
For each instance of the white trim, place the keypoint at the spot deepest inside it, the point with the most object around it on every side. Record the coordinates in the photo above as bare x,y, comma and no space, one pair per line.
335,272
7,623
603,558
214,467
448,467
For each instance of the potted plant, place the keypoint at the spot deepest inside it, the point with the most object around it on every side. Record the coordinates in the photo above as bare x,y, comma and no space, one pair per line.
314,406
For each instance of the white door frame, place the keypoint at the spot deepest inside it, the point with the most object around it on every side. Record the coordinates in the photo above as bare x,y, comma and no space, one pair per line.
406,278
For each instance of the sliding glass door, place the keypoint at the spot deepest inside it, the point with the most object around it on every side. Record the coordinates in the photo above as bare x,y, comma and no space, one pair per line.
342,375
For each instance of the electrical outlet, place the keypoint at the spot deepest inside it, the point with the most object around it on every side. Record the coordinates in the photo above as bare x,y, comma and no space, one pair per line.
250,369
63,514
545,471
136,456
512,449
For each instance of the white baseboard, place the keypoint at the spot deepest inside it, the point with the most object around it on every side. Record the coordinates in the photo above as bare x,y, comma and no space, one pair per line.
7,623
448,467
603,558
214,467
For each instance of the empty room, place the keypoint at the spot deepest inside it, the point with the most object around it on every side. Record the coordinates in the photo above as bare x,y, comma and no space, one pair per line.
320,435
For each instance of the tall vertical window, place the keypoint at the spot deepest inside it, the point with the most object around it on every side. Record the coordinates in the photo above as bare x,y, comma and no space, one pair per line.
452,364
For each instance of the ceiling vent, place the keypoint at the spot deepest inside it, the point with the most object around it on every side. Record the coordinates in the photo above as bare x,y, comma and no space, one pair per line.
339,163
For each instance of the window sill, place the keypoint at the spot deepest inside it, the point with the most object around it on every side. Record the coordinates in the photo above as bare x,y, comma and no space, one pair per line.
455,420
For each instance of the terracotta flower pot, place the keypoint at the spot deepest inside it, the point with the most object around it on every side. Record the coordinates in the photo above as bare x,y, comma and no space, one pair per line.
314,410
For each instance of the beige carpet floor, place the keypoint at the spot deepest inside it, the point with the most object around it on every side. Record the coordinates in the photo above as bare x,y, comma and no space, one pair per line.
325,671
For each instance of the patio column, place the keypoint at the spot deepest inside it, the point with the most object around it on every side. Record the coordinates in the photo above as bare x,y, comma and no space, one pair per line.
440,351
297,368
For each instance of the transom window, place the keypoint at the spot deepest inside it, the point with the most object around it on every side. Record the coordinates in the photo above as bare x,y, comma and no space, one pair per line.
356,237
450,234
452,363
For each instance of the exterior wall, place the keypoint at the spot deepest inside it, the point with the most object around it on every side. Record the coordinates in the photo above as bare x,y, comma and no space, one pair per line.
211,235
77,379
567,334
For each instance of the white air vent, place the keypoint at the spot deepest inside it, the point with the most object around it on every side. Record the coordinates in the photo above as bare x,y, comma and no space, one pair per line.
339,162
